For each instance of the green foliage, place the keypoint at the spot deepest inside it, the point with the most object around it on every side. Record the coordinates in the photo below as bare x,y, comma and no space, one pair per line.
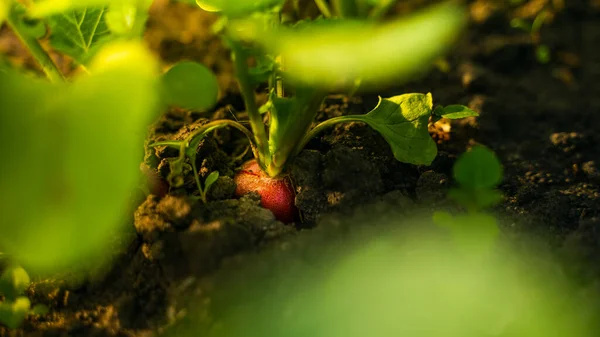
13,313
402,120
190,85
3,10
238,7
128,17
335,53
65,189
13,282
477,173
453,112
78,33
478,169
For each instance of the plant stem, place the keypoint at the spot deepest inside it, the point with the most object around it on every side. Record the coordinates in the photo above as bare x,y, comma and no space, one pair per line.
324,8
326,124
346,8
247,91
381,9
36,50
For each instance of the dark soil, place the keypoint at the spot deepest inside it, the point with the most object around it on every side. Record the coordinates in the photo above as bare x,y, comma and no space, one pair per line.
543,121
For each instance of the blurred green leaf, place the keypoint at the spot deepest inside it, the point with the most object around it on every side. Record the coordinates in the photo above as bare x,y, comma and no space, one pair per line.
3,10
238,7
128,17
64,191
13,282
79,33
12,314
210,180
478,169
334,53
40,309
455,112
45,8
35,28
402,120
190,85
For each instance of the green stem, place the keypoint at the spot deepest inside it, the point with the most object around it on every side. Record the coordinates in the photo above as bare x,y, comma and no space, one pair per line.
247,91
36,50
346,8
324,8
381,9
326,124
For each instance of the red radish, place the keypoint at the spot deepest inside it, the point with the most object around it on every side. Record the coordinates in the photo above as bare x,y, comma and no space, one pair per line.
276,194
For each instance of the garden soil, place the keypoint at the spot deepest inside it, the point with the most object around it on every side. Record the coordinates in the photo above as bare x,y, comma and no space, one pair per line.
542,120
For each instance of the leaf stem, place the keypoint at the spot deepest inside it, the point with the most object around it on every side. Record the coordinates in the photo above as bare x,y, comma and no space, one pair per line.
324,8
324,125
346,8
36,50
381,9
247,91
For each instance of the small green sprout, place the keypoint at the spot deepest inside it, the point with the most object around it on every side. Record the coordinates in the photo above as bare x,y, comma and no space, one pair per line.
208,182
16,307
477,173
542,51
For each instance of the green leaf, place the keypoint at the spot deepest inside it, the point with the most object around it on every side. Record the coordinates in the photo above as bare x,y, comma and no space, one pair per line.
478,169
335,53
455,112
402,120
290,119
190,85
79,33
13,282
89,137
40,309
210,180
45,8
128,17
12,314
238,7
35,28
3,10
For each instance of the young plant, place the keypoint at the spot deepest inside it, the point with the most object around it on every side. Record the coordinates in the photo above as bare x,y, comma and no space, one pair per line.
477,173
533,28
16,307
303,62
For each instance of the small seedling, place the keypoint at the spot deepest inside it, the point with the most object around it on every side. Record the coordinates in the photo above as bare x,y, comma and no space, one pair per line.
542,51
477,173
16,307
208,182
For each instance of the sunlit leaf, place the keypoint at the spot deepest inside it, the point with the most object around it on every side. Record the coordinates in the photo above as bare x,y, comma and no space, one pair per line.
237,7
190,85
337,53
64,190
79,33
44,8
3,10
402,120
12,314
455,112
128,17
13,282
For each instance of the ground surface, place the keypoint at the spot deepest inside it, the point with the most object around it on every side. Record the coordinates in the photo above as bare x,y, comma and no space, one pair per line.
541,119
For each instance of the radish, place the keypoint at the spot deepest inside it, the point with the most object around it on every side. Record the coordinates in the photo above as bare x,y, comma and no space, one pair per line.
276,194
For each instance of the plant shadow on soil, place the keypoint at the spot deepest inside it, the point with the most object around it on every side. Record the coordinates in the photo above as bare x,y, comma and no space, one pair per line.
542,120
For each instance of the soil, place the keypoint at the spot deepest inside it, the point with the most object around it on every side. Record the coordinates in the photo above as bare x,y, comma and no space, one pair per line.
542,120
